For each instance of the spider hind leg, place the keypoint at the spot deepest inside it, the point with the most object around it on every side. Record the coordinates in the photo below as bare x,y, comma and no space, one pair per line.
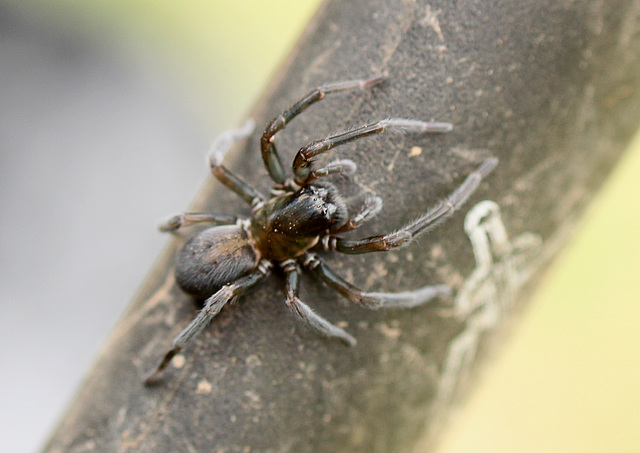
212,307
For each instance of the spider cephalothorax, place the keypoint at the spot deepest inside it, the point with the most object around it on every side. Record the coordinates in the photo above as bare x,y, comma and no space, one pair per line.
302,213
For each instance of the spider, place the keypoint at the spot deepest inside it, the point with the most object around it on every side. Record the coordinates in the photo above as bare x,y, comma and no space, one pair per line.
303,213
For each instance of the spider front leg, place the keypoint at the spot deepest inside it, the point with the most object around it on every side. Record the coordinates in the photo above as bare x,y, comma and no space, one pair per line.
405,299
212,307
304,312
406,234
303,162
269,153
219,148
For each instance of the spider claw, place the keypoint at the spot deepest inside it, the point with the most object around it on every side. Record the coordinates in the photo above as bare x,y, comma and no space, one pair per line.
375,80
173,223
348,340
153,377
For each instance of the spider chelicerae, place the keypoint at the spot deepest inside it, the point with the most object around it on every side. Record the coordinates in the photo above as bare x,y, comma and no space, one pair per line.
302,213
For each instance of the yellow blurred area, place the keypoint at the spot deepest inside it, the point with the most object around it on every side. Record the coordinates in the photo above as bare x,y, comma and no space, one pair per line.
567,378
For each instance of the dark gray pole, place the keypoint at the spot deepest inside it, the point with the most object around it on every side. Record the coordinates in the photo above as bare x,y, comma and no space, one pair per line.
550,88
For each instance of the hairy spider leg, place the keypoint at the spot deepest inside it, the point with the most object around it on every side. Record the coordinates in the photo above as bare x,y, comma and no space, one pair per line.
304,312
443,209
269,153
186,219
218,149
405,299
212,307
303,162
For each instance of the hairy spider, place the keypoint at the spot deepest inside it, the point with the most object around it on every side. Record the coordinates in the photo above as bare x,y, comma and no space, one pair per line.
305,212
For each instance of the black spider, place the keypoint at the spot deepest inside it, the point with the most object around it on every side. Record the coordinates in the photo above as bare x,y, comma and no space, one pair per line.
222,262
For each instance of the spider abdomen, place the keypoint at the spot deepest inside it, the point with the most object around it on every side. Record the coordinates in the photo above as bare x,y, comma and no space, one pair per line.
214,257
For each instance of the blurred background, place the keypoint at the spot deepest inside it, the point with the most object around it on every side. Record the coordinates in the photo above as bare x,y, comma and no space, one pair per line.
108,109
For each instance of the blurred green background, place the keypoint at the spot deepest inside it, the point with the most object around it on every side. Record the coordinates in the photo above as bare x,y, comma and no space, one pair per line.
566,379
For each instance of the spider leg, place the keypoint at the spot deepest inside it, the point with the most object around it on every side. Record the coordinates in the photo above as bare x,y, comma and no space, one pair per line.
186,219
443,209
269,153
303,162
304,312
405,299
212,307
218,149
371,206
